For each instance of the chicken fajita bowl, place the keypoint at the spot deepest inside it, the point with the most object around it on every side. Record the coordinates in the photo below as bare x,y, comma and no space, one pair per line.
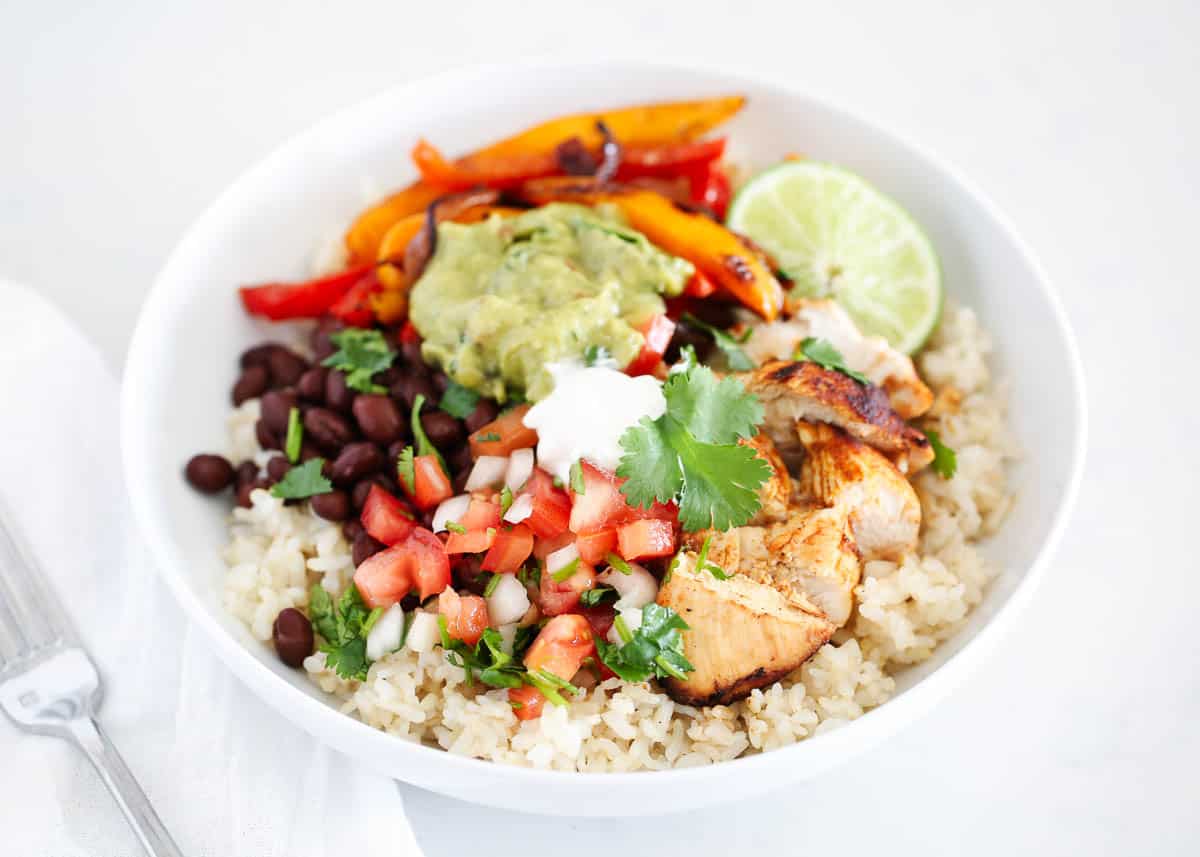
611,440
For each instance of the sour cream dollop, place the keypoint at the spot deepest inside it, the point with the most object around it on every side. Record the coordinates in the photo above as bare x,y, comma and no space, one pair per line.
585,415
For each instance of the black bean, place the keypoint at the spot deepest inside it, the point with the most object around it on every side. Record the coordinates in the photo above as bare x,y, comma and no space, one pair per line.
258,355
332,506
266,437
293,636
328,430
277,467
247,471
459,458
338,394
358,495
484,413
323,348
276,406
246,488
356,461
209,473
460,480
411,352
309,450
286,367
378,418
409,387
319,338
720,314
363,548
441,382
351,529
394,450
311,385
685,334
468,574
443,430
251,384
387,377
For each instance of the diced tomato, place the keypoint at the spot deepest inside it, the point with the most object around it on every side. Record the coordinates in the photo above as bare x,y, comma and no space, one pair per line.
600,617
594,547
646,539
472,541
551,506
386,518
542,548
504,434
466,616
280,301
527,702
700,286
561,646
711,188
668,160
555,598
658,511
657,333
419,561
509,550
431,485
601,505
481,514
354,307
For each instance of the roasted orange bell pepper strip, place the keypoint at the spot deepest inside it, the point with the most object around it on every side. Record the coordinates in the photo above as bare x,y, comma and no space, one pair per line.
652,124
721,255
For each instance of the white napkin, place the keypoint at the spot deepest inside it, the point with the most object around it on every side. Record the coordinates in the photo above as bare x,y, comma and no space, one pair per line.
228,775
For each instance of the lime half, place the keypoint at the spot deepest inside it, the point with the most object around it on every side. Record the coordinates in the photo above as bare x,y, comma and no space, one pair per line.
836,236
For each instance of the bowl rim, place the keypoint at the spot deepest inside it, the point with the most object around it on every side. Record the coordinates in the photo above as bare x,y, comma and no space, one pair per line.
343,731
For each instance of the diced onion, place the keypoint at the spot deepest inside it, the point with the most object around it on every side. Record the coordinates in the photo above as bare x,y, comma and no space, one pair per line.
561,558
508,601
633,621
386,633
423,634
520,468
508,636
450,510
488,472
636,589
521,509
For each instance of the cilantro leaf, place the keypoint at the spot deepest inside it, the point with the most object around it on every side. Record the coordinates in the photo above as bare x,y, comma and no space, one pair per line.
361,353
506,500
655,650
945,460
822,352
406,469
344,628
577,483
737,359
424,445
702,563
593,597
458,401
486,660
303,481
690,454
295,436
597,355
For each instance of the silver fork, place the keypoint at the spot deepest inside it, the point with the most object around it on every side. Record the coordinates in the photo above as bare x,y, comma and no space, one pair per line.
50,686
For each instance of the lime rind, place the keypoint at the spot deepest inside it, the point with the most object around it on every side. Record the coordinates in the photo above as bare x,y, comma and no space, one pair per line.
835,235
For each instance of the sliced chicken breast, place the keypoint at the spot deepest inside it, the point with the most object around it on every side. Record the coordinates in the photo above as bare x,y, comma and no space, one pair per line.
838,470
742,634
776,492
871,355
805,391
810,555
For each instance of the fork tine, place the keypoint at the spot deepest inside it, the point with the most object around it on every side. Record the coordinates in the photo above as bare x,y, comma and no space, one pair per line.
30,617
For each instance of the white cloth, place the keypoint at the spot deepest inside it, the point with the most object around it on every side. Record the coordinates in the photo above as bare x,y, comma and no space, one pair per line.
228,775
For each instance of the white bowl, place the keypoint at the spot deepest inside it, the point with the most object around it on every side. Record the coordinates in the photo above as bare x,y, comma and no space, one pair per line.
267,225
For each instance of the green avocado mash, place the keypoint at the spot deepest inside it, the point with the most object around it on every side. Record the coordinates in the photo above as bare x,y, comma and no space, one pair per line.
502,298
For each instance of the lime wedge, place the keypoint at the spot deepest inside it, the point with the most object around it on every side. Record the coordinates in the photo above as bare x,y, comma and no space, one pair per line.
834,235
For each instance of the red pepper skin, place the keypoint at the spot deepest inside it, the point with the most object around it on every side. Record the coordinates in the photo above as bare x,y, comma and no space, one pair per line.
354,307
310,299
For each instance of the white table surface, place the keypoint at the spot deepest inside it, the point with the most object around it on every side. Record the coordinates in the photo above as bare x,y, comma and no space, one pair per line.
1081,119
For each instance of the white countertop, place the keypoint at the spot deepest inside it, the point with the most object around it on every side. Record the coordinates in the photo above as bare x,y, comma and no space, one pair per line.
1081,121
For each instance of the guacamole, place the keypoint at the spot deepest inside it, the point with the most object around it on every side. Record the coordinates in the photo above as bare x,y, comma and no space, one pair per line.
502,298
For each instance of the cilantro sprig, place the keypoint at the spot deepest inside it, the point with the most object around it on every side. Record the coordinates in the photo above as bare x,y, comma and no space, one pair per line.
303,481
361,353
593,597
822,352
690,455
295,436
458,401
654,650
945,460
702,563
731,346
344,627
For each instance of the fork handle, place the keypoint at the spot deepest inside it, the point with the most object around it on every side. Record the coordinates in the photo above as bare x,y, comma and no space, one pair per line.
102,753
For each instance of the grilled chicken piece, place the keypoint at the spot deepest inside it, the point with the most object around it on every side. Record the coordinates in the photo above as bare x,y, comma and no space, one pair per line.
811,555
805,391
838,470
742,634
776,492
871,355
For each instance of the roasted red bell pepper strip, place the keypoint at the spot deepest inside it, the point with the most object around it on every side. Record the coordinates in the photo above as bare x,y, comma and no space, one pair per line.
699,286
281,301
669,160
711,189
354,307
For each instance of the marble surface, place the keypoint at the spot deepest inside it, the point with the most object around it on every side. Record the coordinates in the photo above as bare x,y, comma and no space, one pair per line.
123,120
